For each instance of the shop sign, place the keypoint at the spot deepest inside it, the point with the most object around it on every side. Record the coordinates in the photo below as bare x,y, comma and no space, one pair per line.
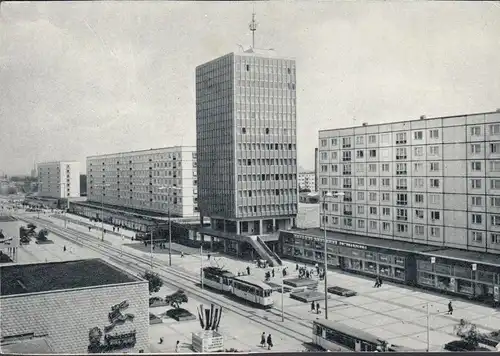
333,242
115,341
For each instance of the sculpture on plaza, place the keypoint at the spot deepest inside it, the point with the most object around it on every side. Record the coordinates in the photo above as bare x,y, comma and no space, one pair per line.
210,317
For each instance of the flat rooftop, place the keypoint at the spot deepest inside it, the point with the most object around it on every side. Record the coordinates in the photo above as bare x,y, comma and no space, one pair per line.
45,277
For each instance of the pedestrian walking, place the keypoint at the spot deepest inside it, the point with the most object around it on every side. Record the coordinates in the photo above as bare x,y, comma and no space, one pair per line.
297,267
248,270
161,340
114,229
380,281
450,308
182,254
177,346
263,340
64,248
90,228
272,272
269,342
317,308
312,307
208,256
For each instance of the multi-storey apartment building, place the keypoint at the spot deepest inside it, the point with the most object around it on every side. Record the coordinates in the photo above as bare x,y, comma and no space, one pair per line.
307,180
246,142
433,181
157,180
59,179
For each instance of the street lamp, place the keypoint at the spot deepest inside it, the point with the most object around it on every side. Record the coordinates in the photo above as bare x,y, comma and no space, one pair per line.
67,203
102,186
169,225
325,195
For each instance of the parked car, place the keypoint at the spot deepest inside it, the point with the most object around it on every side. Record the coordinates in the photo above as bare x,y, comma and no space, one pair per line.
460,345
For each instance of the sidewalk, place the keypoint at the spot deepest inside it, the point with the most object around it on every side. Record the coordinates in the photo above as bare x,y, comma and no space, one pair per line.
76,219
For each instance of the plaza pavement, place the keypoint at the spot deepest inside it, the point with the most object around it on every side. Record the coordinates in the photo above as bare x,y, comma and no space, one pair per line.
394,312
245,338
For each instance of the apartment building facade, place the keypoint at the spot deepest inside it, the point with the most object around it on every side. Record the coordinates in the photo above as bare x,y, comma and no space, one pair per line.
156,180
433,181
246,142
59,179
307,180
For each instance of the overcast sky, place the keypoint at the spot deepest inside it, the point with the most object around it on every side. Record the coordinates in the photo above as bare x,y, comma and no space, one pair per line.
87,78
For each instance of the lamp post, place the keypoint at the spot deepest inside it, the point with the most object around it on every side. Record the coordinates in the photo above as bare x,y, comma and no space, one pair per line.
282,298
325,195
102,186
169,225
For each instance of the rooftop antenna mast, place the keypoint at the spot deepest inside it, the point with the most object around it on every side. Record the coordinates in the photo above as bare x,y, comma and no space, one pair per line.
253,28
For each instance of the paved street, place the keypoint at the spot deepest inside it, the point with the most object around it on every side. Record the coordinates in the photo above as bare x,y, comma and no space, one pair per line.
396,313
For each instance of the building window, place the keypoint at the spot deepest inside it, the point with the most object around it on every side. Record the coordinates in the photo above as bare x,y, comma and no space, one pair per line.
401,184
361,224
495,129
373,153
373,196
477,219
361,196
434,183
323,143
401,169
360,154
434,134
477,201
495,220
475,131
334,142
418,151
385,167
386,211
419,230
360,140
346,169
418,135
361,209
346,142
494,166
435,231
386,182
435,215
402,214
335,168
401,153
495,238
361,182
402,228
243,130
475,148
386,197
418,182
372,167
373,182
418,167
495,202
373,210
419,214
348,222
495,147
401,138
419,198
402,199
495,184
386,227
434,150
476,166
477,236
373,225
346,156
347,183
372,139
434,166
476,183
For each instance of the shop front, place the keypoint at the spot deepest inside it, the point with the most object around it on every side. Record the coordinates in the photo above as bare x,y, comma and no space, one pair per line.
354,257
477,281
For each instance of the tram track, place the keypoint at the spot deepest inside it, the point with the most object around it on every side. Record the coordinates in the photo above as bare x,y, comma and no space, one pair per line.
171,276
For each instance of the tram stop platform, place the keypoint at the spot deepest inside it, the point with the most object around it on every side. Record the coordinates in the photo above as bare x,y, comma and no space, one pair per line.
308,296
301,282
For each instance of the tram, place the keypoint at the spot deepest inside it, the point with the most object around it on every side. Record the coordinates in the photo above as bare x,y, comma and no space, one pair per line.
332,336
248,288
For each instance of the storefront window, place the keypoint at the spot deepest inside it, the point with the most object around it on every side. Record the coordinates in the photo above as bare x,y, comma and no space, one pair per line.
424,265
426,278
318,256
370,266
353,263
290,240
319,245
400,261
370,255
442,269
445,283
298,252
356,253
307,243
288,250
333,260
385,270
308,254
484,276
399,273
334,250
385,258
462,272
464,286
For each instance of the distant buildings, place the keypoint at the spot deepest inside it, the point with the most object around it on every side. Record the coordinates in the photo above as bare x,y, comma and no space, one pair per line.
316,158
307,180
83,185
59,179
155,180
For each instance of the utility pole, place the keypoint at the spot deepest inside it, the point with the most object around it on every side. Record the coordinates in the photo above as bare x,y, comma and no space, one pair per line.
201,264
428,327
282,298
169,238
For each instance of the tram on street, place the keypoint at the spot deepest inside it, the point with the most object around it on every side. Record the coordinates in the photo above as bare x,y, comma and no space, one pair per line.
333,336
248,288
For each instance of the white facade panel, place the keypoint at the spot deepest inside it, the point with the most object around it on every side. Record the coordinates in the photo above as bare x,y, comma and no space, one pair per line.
59,179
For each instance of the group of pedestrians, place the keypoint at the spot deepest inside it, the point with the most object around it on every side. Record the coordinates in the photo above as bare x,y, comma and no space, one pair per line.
266,341
315,308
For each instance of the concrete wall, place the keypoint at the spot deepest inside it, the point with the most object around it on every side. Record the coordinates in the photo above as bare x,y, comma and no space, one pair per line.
66,317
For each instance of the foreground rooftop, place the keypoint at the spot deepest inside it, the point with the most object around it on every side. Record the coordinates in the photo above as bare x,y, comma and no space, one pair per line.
52,276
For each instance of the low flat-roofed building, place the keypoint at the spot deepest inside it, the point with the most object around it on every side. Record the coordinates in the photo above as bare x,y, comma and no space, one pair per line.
83,306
